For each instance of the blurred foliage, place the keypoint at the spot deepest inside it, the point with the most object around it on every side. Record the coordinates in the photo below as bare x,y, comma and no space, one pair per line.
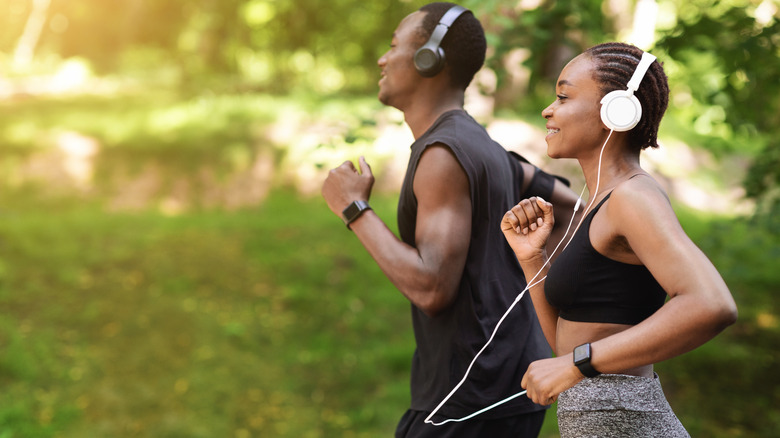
538,37
745,253
269,45
214,150
726,59
170,316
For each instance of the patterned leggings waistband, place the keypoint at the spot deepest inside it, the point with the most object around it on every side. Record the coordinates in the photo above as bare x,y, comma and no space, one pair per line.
616,405
615,391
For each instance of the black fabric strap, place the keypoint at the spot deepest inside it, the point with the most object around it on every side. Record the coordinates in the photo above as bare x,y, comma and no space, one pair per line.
542,183
587,369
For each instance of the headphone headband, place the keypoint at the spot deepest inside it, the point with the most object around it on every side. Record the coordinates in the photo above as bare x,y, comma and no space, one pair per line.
429,59
641,70
444,25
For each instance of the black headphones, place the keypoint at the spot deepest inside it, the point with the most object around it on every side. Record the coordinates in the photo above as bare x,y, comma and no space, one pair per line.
429,59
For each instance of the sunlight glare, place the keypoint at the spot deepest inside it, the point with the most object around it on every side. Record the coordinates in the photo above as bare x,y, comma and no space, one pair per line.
258,13
79,152
73,74
765,12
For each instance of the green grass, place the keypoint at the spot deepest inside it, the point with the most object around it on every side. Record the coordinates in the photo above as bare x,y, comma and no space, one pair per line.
265,322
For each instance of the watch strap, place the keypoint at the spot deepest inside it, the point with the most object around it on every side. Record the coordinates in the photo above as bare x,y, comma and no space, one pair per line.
587,369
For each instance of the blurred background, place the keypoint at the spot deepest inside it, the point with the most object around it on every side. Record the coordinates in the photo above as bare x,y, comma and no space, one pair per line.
168,268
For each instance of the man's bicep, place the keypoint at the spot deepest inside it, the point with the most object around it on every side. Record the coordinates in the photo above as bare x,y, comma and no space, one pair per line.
442,190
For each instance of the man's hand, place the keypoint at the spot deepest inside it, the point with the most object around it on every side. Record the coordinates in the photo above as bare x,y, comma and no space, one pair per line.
345,184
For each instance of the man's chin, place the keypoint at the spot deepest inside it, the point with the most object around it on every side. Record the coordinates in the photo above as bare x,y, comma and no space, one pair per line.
383,98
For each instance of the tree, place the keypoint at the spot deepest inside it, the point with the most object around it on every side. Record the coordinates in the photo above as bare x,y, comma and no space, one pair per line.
541,35
25,47
729,59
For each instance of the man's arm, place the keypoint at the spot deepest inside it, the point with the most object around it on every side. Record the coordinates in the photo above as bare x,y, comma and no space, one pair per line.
562,198
427,274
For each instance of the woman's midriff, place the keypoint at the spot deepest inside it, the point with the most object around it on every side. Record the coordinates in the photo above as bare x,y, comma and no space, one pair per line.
571,334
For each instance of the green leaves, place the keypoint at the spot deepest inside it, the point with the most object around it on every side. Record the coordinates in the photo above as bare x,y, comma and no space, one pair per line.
728,56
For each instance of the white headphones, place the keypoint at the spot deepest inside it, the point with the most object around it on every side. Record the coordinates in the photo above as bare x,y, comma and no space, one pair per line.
620,109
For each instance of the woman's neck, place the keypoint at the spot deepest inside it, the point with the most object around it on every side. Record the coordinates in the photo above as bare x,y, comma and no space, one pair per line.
603,174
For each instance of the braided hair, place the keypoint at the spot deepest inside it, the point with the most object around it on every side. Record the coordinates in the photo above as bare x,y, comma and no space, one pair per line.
615,64
464,45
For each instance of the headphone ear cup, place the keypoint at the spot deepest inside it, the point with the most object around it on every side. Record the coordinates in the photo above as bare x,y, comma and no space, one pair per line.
620,110
429,61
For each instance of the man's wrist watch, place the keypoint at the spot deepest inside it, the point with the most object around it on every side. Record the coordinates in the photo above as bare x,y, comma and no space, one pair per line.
582,361
353,211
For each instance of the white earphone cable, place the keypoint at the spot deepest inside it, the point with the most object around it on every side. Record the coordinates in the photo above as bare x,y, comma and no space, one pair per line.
531,284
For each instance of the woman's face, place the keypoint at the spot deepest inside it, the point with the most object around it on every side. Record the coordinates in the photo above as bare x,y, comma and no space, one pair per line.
573,121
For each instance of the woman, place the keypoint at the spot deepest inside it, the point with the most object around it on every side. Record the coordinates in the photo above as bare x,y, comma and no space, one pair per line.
604,302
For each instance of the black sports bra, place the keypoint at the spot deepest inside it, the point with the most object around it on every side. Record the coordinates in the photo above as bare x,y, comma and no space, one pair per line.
586,286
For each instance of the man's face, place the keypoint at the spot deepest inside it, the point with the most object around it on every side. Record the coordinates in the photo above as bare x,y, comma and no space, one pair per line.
399,77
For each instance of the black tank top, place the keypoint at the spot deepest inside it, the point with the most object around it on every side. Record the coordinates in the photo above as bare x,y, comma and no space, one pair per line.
491,281
586,286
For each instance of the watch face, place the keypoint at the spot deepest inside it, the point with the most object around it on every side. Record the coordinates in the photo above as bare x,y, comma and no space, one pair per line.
582,353
351,211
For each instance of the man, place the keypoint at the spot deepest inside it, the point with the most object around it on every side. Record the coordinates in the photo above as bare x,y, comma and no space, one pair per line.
451,260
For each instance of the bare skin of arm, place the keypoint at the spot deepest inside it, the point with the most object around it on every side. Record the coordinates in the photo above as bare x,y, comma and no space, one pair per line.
563,200
428,274
638,225
644,229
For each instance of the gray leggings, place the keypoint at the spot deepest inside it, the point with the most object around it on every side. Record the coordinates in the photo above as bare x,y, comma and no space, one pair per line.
617,405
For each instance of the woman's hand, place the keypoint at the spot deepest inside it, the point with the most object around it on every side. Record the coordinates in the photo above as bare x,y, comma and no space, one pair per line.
527,226
547,378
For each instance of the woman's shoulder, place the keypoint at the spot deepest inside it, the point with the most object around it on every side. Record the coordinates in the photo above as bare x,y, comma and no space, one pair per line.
641,202
638,189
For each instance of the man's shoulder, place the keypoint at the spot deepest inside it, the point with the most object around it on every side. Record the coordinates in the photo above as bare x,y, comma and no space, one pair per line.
460,130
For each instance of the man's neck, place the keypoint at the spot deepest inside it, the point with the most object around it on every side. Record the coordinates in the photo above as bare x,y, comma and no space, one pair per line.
421,116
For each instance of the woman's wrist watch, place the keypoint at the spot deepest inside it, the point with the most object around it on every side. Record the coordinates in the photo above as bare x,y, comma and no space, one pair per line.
582,361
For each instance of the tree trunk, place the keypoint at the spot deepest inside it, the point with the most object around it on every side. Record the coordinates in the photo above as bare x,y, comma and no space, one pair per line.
25,47
645,17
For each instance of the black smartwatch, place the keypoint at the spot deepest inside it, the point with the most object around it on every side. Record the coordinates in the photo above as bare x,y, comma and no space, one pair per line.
582,361
353,211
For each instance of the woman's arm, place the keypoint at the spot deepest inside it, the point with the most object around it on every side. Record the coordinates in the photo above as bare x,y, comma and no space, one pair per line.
700,305
527,227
